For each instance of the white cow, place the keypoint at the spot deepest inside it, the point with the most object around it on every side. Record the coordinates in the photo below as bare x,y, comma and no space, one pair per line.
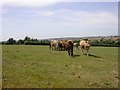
54,45
85,45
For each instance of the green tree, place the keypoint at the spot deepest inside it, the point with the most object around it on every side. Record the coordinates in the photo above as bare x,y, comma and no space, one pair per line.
27,38
11,41
20,41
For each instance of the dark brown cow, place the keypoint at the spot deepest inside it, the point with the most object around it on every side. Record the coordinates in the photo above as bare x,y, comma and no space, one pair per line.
64,45
69,47
60,46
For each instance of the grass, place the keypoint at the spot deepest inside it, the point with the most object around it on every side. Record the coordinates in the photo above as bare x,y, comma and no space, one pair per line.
38,67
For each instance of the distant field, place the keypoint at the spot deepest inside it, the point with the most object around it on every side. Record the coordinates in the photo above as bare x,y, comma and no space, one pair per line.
38,67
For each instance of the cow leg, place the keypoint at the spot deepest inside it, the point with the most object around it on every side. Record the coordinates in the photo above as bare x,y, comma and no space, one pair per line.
68,49
71,51
61,47
50,47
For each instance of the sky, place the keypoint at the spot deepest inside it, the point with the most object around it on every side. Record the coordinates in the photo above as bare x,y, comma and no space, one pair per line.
58,19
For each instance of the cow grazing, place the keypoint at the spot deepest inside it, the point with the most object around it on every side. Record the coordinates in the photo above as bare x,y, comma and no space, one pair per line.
85,45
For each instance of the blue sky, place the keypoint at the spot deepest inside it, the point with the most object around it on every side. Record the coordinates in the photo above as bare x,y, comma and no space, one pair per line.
59,19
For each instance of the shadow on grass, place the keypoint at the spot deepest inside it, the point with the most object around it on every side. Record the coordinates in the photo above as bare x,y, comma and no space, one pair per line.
91,55
76,55
95,56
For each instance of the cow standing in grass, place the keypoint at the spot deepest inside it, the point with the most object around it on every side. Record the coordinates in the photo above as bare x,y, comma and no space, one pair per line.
63,45
85,45
69,47
60,45
54,45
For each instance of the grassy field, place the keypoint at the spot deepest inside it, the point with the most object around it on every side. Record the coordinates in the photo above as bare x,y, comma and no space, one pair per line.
38,67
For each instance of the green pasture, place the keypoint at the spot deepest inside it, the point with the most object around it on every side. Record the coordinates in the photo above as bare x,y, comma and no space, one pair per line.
27,66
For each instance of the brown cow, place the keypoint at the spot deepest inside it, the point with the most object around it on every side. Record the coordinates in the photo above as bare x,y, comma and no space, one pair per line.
69,47
60,45
57,45
85,45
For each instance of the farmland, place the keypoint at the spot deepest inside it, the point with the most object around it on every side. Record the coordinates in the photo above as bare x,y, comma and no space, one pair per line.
27,66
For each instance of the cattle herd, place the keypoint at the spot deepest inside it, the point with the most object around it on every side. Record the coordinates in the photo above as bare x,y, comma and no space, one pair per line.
68,45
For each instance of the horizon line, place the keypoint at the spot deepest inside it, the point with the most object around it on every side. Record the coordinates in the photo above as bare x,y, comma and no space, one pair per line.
65,37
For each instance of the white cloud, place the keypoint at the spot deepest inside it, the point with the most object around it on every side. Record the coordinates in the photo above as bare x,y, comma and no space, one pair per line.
46,13
63,11
42,3
82,17
95,18
51,13
32,3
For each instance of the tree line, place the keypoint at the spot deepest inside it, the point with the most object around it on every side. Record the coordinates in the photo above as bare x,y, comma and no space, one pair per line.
106,42
26,41
30,41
